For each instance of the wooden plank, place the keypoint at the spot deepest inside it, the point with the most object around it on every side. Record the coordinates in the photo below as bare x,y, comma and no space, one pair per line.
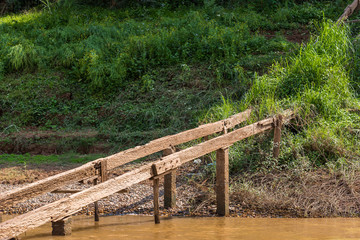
69,205
222,182
48,184
349,10
72,204
169,183
96,206
156,182
173,140
87,170
160,167
62,227
103,171
277,136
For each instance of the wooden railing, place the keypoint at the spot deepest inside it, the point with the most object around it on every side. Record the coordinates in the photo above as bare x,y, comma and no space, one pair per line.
101,166
67,206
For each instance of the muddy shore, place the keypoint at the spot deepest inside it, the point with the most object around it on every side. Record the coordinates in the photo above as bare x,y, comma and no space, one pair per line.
282,194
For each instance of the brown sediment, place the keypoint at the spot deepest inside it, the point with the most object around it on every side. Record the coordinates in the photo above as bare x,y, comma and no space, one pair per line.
36,142
301,35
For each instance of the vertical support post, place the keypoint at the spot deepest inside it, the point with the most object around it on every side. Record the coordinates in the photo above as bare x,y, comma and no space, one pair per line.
102,172
169,184
222,182
62,227
277,135
156,200
96,205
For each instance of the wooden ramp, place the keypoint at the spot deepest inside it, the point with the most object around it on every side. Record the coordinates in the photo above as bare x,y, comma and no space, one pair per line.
69,205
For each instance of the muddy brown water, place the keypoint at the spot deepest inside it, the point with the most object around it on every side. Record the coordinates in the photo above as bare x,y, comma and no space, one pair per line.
142,227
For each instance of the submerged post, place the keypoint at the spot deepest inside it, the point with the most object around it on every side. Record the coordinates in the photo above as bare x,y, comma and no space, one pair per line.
96,205
277,135
102,173
170,183
156,199
62,227
222,182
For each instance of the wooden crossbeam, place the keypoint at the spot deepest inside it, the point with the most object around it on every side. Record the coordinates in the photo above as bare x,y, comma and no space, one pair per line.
72,204
116,160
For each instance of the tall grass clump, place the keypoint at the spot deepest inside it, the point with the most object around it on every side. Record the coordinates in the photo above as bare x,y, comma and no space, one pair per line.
316,84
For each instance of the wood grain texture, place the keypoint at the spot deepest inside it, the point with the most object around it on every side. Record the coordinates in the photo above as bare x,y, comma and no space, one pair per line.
222,182
173,140
72,204
47,185
116,160
349,10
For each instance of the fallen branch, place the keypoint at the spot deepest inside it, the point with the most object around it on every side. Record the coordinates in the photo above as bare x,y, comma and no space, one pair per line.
349,10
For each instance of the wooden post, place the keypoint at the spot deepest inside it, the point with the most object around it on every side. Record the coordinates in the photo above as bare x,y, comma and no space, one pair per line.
169,184
102,173
222,182
96,206
277,136
62,227
156,199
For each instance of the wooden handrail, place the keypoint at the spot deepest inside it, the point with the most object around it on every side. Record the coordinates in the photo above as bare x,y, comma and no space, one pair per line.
89,169
72,204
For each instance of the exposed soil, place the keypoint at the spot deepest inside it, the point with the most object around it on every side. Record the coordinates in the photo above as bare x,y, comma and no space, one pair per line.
297,35
37,142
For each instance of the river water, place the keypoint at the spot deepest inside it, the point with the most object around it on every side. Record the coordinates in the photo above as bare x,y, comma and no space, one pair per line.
142,227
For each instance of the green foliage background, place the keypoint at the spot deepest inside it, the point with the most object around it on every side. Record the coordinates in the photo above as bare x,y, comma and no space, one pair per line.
144,70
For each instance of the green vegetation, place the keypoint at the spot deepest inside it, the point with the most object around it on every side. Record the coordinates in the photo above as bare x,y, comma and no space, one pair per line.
319,85
140,72
27,159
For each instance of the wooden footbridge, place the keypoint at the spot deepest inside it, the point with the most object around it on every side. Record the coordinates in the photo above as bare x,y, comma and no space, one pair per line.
98,170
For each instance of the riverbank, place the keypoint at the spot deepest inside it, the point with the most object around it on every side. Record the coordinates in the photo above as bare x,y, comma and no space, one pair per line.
317,193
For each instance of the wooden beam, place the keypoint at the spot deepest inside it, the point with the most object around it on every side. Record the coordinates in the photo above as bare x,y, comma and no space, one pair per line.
96,206
169,183
113,161
277,136
156,182
222,182
62,227
173,140
349,10
72,204
48,184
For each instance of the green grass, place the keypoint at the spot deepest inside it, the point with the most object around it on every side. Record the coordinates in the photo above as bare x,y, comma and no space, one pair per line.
133,74
138,73
64,159
318,84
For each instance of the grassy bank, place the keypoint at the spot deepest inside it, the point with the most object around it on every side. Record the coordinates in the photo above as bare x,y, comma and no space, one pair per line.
134,74
121,77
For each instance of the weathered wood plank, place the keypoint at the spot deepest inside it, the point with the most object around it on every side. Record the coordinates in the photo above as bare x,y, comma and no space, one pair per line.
277,136
222,182
48,184
349,10
169,184
87,170
96,206
156,184
72,204
173,140
67,206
